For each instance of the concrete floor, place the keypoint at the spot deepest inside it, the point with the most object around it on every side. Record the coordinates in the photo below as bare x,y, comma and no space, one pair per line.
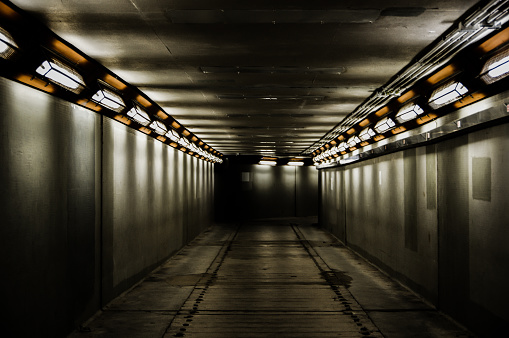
275,278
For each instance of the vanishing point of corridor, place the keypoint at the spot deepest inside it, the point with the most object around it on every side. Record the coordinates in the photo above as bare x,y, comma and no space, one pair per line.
277,278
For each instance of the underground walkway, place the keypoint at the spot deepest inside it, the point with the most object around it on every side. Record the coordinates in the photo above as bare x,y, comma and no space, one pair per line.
278,278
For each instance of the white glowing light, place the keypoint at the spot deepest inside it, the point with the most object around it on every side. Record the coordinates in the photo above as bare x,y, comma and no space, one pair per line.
109,99
61,74
159,127
384,125
409,112
366,134
499,68
296,163
266,162
352,141
6,44
173,135
447,94
140,116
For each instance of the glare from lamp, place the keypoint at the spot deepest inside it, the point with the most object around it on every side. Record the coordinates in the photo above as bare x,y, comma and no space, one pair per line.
109,100
173,135
61,74
367,134
409,112
267,162
6,44
342,146
496,68
140,116
352,141
158,127
446,94
384,125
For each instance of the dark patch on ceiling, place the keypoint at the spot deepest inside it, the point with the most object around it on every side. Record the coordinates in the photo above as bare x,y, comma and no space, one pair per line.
403,11
217,16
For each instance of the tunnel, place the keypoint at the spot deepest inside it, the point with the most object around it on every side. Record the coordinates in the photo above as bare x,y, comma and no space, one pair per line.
219,168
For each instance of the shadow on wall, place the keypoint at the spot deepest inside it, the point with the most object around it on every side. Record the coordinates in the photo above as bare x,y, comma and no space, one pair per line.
435,217
246,191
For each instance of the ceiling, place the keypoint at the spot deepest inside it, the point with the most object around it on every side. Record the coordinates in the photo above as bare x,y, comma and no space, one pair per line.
252,78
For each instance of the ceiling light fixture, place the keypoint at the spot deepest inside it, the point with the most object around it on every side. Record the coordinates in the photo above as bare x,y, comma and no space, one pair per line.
109,99
61,74
7,44
450,92
267,162
367,134
158,127
139,115
384,125
496,68
296,163
353,141
409,112
173,135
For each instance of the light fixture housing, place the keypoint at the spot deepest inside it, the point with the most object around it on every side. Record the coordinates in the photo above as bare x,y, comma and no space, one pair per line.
109,99
366,134
408,112
140,116
173,135
267,162
7,44
384,125
61,74
159,127
448,93
353,141
342,147
496,68
296,163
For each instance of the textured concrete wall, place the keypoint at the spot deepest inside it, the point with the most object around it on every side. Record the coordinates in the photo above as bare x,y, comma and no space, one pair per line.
257,191
436,218
88,207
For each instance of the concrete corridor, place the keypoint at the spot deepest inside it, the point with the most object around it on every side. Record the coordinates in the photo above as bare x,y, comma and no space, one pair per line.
277,278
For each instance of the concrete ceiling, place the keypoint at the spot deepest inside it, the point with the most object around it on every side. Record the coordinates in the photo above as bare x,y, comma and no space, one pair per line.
259,77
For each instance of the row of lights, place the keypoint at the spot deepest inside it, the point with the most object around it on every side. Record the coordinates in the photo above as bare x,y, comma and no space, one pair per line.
272,161
417,110
58,72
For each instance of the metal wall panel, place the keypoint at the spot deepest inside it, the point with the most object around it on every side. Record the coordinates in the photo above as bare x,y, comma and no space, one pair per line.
435,217
88,207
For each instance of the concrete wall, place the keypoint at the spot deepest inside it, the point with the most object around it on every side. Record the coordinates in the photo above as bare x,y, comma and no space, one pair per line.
257,191
436,218
88,208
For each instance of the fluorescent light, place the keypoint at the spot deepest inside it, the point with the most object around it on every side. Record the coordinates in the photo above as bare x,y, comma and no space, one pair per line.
352,141
446,94
61,74
139,115
296,163
173,135
159,127
7,44
409,112
496,68
109,99
366,134
183,142
267,162
342,146
384,125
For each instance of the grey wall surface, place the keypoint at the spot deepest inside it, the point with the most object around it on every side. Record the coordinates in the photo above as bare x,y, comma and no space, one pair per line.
436,218
88,208
257,191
